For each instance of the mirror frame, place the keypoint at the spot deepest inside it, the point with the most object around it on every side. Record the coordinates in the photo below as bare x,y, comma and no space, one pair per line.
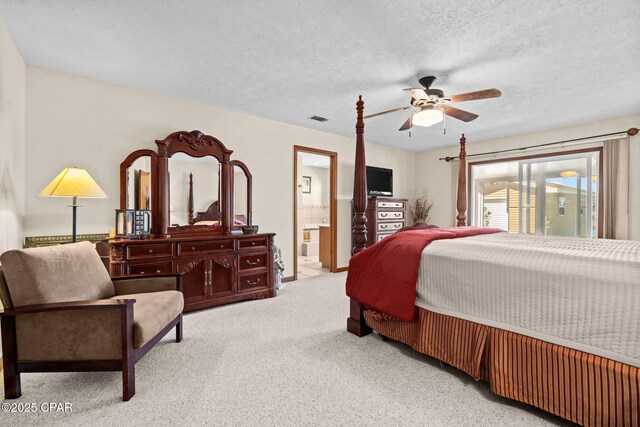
245,169
195,144
124,181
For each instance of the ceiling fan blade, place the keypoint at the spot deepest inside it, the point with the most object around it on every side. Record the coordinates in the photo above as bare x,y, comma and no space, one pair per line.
386,112
417,93
465,116
474,96
408,124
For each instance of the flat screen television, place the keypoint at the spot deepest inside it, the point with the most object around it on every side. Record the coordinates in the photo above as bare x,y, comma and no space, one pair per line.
379,181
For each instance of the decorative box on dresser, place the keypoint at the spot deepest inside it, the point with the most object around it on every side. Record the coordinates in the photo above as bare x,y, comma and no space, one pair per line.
385,216
218,263
215,269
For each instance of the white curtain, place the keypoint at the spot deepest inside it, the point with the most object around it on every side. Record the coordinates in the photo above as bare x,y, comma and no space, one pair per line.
616,189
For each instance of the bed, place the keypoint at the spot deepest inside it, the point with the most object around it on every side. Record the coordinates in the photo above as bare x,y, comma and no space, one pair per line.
211,216
552,322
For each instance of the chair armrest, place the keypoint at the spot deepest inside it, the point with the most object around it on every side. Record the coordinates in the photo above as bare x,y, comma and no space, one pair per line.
71,305
70,331
128,285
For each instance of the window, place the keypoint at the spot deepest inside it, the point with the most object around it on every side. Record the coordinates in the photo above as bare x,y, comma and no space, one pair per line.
561,206
554,194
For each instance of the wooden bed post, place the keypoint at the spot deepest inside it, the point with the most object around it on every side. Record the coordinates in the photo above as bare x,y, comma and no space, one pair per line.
462,185
359,186
356,323
190,200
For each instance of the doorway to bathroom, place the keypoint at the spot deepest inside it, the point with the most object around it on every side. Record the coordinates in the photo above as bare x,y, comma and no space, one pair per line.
315,211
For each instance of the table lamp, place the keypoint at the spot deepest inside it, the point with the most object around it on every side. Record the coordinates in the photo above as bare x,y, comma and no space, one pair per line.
74,182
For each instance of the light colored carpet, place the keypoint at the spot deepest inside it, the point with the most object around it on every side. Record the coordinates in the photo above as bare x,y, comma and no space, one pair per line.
282,361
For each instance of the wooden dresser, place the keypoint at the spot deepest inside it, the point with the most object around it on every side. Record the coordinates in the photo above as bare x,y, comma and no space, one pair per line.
385,216
216,269
218,263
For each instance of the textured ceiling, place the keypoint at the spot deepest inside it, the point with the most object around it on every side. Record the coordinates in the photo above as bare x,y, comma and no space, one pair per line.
556,63
315,160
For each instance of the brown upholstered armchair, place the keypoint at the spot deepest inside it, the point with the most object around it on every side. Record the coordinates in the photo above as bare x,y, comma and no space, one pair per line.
63,313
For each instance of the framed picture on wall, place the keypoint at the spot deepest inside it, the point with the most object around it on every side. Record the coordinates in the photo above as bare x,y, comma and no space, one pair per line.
306,184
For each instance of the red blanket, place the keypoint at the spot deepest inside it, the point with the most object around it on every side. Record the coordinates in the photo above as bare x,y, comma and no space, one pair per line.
384,276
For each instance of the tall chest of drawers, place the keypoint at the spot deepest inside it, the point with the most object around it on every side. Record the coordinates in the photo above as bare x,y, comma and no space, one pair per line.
385,216
215,269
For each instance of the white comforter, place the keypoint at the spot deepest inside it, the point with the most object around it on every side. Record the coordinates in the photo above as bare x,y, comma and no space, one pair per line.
579,293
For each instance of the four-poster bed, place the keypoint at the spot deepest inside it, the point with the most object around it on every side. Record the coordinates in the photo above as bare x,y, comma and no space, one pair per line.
530,315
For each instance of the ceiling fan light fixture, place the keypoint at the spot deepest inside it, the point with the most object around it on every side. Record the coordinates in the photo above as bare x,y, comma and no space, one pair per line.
427,117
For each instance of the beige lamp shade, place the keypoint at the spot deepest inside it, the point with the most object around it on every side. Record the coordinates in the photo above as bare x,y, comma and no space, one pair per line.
74,182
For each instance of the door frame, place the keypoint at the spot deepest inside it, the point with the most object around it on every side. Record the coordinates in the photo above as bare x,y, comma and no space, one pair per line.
333,204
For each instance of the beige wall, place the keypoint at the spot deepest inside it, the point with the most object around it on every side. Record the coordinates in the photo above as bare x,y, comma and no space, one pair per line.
438,176
12,143
320,186
86,123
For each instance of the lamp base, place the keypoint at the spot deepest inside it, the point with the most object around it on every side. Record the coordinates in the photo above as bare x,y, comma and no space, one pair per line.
74,205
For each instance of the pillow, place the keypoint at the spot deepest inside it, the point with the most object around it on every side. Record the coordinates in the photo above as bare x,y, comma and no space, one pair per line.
207,223
235,222
417,226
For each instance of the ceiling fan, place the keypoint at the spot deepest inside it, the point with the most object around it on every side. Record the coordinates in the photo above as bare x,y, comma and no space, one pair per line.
433,105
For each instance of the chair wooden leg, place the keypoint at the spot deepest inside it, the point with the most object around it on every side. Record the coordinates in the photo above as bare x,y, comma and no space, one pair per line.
128,380
179,329
12,389
128,355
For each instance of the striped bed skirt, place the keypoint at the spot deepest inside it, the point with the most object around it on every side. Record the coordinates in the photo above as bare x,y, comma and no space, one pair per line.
585,389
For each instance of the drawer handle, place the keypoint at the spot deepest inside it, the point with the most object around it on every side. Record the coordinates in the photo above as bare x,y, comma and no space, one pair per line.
253,263
383,226
253,243
157,271
398,215
222,246
255,282
150,251
383,214
396,225
193,248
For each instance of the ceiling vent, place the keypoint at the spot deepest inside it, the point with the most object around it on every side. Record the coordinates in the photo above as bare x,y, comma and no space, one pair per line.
318,118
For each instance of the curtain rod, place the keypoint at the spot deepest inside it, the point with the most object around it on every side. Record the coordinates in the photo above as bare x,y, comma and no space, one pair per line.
630,132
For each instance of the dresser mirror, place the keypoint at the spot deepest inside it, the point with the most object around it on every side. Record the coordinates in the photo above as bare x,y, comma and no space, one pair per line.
241,194
191,185
194,190
139,184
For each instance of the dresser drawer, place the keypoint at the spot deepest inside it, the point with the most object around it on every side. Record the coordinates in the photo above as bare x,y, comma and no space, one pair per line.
149,251
257,243
390,215
390,226
253,261
390,204
382,236
187,248
157,268
252,282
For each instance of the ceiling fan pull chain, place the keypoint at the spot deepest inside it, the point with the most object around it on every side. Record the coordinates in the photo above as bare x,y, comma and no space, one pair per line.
444,123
